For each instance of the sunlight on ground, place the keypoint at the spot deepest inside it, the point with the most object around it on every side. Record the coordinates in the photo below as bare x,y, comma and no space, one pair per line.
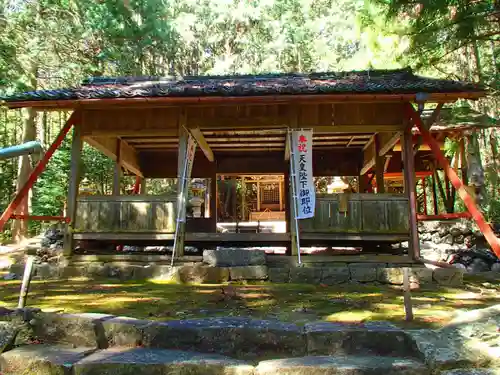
295,303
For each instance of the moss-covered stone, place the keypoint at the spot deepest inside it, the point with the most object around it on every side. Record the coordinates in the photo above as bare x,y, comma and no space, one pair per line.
41,360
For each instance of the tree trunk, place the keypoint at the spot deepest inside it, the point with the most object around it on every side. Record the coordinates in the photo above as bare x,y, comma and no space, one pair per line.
20,227
474,166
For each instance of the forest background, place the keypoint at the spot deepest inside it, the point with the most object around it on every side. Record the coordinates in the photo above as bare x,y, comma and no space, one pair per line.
54,43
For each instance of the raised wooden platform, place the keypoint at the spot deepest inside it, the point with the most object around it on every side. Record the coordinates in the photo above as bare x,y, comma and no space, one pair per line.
242,238
272,260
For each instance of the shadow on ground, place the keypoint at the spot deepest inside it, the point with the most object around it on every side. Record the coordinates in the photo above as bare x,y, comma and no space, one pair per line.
287,302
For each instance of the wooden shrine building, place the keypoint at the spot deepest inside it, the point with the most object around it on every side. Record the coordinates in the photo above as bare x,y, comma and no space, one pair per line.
362,124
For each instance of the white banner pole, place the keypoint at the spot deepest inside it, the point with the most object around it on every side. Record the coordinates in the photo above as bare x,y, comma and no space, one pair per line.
294,196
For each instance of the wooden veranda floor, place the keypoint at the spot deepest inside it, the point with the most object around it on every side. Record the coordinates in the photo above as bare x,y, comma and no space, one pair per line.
235,239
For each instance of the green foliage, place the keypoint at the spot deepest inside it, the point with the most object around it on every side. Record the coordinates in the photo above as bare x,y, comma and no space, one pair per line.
51,43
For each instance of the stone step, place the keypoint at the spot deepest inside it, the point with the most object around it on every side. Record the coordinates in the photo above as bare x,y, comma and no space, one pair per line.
347,365
57,360
237,337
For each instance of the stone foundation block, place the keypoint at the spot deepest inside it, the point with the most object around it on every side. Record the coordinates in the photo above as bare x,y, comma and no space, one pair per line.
97,269
47,271
124,331
448,276
8,334
355,365
363,274
240,338
73,271
141,361
373,338
306,275
367,265
234,257
335,275
279,275
390,276
85,330
421,276
200,274
164,272
248,273
41,359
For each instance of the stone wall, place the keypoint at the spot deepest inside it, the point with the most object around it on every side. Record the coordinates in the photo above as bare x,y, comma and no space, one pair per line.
218,266
458,242
99,343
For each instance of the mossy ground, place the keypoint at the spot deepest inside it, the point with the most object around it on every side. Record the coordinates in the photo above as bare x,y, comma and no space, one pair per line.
287,302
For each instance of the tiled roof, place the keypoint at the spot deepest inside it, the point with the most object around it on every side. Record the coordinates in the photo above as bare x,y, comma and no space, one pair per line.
401,81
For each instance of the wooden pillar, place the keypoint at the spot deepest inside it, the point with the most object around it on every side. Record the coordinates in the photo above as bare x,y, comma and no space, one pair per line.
410,190
143,188
74,182
117,171
213,202
258,196
243,199
280,187
434,195
181,202
424,194
379,166
117,174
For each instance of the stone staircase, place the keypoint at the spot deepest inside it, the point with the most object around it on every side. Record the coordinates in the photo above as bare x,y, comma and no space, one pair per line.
96,344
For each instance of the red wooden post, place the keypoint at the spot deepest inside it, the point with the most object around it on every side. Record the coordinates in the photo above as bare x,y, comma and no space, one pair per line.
137,185
41,218
457,183
40,167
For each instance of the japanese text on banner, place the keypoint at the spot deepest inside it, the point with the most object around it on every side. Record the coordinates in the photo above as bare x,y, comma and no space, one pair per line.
302,154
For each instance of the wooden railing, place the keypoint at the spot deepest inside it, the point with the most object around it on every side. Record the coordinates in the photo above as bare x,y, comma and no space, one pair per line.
125,213
366,213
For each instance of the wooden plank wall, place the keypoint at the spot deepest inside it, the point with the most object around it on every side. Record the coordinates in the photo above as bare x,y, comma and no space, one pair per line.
136,214
366,213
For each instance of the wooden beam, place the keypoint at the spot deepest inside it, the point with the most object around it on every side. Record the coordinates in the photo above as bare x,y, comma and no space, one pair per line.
74,182
107,145
369,158
423,147
388,141
478,217
202,142
458,215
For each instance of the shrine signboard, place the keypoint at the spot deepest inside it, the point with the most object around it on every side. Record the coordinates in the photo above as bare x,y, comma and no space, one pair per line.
303,172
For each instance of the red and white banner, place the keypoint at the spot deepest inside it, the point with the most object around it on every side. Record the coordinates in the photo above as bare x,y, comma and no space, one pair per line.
301,149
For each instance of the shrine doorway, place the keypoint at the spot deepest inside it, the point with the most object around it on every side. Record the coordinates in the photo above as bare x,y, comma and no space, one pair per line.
251,203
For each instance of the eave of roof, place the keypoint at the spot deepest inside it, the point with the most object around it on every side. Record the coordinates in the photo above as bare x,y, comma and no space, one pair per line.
369,86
